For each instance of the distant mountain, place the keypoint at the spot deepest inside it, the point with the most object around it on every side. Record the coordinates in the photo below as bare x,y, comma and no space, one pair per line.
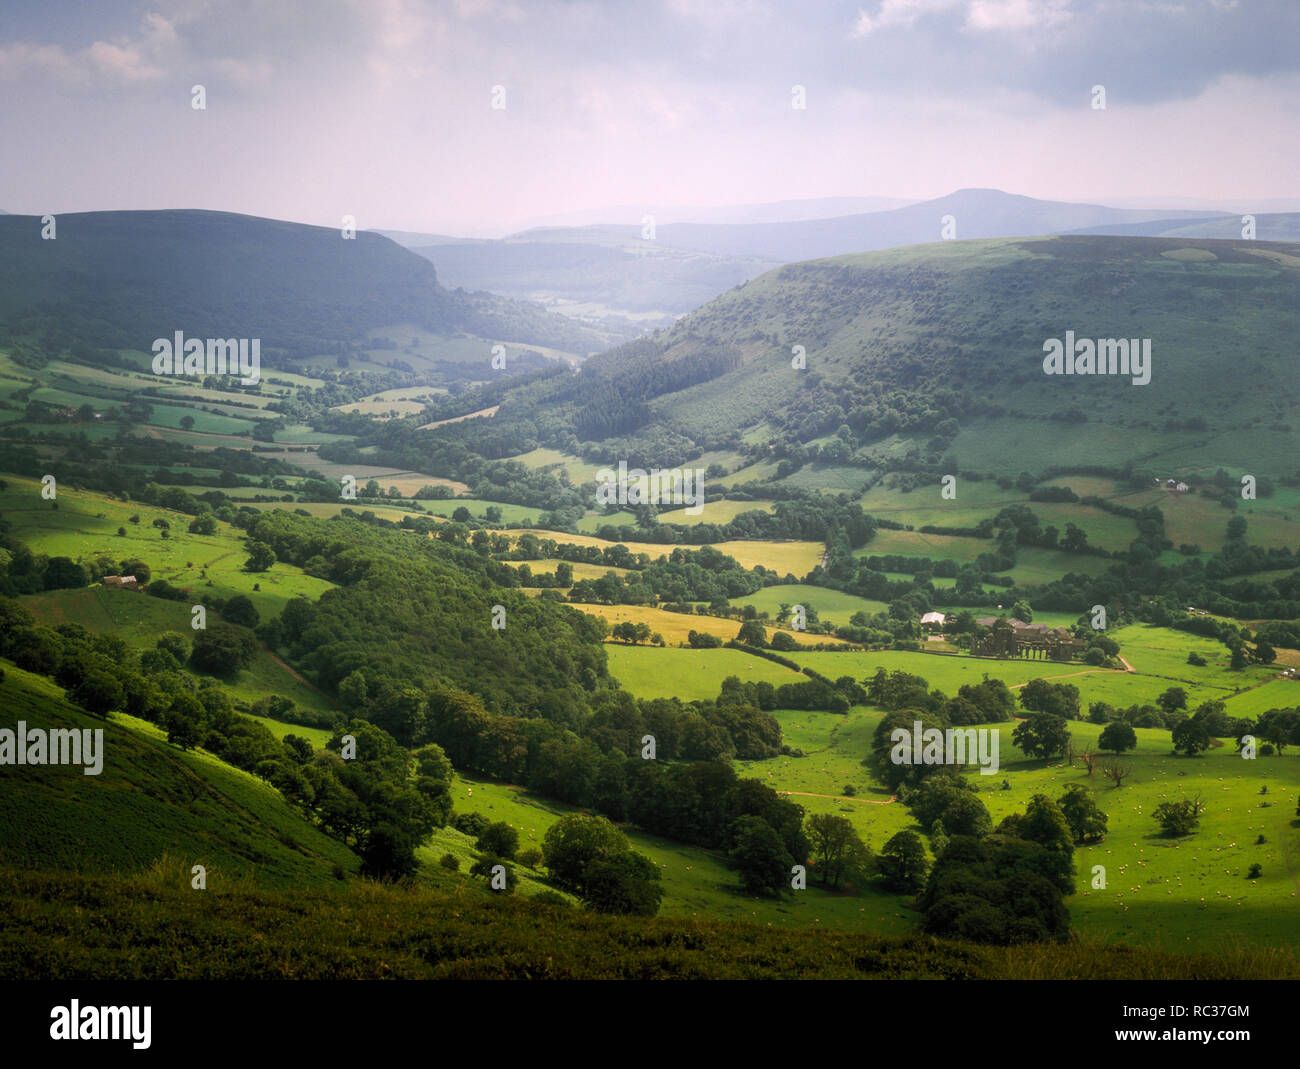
121,279
609,276
977,213
781,211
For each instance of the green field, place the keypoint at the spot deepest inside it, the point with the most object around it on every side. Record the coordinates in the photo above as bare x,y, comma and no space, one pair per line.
831,605
696,882
650,672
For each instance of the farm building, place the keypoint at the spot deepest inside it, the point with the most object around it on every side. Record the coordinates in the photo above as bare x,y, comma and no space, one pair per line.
933,621
1015,638
121,582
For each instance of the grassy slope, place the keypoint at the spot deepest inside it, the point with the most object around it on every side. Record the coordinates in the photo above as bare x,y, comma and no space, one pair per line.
65,925
149,801
85,525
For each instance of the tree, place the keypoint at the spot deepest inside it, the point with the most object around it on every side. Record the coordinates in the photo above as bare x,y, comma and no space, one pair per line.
187,423
1021,611
97,691
1115,770
1044,823
1075,540
1059,699
1190,738
1264,653
1181,817
1042,735
760,856
484,866
1172,699
64,573
240,610
203,525
1117,736
353,690
499,839
223,649
903,862
752,633
1238,661
183,730
835,846
260,556
573,842
626,883
1087,822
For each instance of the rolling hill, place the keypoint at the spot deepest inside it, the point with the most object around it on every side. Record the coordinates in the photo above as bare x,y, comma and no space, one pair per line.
978,213
609,273
936,352
121,279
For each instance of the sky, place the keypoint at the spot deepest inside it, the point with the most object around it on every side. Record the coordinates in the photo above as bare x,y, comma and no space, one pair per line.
383,109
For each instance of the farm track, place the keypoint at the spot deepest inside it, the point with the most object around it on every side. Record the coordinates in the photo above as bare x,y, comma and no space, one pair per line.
297,675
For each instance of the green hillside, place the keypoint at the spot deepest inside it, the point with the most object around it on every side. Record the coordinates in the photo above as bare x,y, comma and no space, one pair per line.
121,279
150,801
934,354
69,925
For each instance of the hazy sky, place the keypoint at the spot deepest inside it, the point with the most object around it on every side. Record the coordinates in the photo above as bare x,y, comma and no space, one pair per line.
382,108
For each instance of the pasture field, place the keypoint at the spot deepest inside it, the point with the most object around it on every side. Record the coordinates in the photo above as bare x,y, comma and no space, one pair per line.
915,544
85,526
140,621
198,439
942,672
581,569
1184,895
1158,656
939,582
696,882
594,520
784,557
759,471
395,511
318,737
381,410
1277,693
578,470
676,626
1197,520
302,434
719,512
831,605
1187,894
650,672
408,483
977,500
477,506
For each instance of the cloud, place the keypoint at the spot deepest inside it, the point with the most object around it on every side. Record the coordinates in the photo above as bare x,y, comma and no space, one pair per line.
899,13
1016,14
